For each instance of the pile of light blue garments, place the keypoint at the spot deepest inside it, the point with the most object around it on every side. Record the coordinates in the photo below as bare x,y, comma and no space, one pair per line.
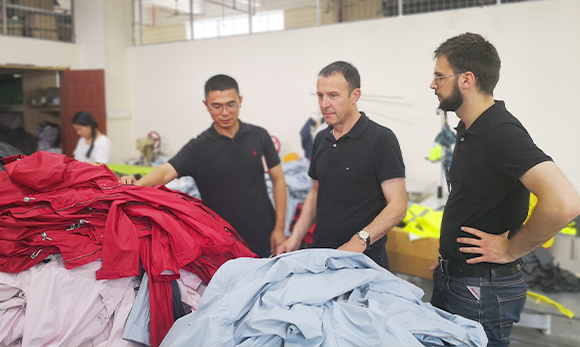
317,297
298,185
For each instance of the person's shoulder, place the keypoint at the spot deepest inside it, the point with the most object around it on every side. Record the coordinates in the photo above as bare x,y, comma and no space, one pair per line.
379,130
255,131
204,136
501,122
104,139
501,115
251,127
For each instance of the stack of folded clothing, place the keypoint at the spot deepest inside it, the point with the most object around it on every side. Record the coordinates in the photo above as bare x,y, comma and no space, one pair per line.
540,271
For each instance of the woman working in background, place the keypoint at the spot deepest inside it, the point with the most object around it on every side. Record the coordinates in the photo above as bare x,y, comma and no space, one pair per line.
93,146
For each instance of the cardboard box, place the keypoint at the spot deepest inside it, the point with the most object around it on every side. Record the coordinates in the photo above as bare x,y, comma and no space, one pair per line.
14,29
41,21
44,34
411,257
44,4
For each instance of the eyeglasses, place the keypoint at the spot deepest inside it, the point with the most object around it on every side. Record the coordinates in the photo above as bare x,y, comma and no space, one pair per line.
221,108
437,79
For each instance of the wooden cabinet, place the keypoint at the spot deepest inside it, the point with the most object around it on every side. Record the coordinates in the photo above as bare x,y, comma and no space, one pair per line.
78,90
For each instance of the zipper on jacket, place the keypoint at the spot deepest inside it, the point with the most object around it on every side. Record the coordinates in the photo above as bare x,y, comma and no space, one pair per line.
82,256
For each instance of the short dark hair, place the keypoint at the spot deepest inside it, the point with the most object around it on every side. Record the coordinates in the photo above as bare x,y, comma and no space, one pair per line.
471,52
221,82
86,119
347,70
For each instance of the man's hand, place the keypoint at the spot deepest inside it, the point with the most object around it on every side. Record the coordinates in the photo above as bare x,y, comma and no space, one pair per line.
434,265
290,245
277,238
128,179
493,248
355,244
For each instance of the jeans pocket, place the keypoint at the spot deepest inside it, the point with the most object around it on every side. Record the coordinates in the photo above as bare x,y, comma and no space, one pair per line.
511,300
460,291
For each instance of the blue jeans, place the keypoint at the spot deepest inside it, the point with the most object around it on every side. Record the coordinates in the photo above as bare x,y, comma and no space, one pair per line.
496,303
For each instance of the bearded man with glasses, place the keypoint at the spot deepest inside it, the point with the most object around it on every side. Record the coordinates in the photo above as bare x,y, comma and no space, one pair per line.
227,163
495,165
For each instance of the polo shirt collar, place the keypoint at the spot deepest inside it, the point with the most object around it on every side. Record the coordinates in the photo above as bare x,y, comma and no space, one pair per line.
214,135
357,129
488,114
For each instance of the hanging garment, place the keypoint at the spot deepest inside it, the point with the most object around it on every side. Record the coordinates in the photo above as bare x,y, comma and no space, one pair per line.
317,297
298,185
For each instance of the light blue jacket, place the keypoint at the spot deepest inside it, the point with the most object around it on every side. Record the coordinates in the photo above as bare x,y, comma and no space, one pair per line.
317,297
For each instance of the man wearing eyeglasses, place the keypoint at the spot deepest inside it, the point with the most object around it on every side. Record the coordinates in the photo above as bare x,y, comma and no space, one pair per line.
495,165
358,190
226,162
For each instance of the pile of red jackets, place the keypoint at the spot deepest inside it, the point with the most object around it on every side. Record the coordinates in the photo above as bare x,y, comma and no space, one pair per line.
51,204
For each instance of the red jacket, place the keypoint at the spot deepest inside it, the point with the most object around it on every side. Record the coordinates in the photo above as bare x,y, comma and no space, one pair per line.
53,204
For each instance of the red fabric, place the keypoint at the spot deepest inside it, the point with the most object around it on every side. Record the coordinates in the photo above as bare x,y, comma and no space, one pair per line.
43,195
160,296
309,237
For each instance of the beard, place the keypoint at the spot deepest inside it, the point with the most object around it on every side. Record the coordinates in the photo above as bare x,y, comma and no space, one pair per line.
453,101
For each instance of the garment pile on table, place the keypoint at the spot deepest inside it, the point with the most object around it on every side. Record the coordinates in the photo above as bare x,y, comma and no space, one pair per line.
61,216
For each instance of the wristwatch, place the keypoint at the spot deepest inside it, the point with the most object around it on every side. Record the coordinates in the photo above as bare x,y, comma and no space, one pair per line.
365,236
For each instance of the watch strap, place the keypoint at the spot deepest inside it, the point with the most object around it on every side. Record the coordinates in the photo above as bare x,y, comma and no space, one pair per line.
367,240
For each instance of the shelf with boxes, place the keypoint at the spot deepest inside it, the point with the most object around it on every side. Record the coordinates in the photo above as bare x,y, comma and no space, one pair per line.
37,19
42,26
14,26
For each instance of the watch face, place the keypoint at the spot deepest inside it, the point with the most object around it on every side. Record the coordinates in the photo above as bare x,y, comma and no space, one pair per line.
363,234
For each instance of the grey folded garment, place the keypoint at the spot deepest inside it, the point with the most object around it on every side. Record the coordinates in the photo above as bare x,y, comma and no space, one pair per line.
540,271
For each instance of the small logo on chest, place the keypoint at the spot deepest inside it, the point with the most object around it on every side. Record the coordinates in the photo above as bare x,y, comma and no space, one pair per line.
254,153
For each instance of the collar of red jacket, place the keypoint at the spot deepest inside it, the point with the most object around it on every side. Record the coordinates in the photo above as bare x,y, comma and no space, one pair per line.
44,170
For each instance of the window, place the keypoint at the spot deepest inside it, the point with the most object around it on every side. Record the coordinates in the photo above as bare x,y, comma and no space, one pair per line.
157,21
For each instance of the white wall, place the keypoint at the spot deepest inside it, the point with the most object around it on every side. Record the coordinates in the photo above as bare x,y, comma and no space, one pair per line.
118,39
103,35
90,33
539,43
43,53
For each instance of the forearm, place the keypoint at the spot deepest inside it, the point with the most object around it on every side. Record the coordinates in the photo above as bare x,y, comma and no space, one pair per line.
280,197
390,216
558,204
161,175
547,219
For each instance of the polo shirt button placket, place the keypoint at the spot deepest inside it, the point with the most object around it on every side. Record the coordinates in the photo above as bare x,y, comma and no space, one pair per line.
462,139
334,145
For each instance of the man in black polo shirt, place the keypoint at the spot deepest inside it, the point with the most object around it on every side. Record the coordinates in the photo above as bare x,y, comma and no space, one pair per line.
226,163
495,165
358,192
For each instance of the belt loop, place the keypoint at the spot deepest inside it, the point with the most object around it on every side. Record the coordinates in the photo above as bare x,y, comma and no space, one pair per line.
444,265
492,275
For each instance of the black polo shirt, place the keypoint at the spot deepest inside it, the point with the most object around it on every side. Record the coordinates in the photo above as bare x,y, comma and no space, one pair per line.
230,176
486,193
350,172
